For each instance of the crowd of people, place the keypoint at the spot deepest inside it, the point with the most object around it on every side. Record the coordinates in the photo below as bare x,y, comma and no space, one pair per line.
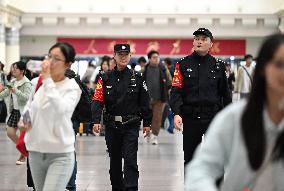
192,94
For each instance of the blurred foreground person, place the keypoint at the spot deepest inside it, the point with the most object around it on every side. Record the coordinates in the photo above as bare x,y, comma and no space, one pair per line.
247,139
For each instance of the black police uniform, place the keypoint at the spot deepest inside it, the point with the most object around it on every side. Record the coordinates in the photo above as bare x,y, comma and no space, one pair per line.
199,91
125,97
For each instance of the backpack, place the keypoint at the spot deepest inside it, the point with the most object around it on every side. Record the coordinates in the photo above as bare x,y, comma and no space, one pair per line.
83,111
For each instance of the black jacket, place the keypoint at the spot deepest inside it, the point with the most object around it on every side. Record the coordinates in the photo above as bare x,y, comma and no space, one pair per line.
122,93
199,81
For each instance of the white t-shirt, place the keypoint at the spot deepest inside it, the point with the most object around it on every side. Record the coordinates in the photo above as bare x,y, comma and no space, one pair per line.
246,80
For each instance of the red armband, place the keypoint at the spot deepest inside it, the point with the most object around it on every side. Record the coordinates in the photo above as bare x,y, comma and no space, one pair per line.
177,79
99,93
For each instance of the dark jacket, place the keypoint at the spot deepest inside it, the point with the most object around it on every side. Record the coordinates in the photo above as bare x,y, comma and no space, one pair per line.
199,82
122,93
165,81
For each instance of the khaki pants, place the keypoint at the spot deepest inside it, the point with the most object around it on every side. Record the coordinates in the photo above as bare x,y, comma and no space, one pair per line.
157,109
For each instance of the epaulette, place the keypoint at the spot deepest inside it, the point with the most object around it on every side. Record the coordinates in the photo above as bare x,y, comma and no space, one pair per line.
182,59
220,63
138,74
105,76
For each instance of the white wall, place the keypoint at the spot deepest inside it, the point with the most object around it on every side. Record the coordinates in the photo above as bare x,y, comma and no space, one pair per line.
35,46
253,45
149,6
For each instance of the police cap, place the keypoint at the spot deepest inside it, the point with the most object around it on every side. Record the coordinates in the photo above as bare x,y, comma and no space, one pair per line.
122,48
203,31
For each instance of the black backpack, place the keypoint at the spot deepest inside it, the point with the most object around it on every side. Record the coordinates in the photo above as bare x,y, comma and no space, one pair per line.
83,111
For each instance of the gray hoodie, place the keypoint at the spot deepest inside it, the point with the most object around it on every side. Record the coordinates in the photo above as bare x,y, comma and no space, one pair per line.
224,150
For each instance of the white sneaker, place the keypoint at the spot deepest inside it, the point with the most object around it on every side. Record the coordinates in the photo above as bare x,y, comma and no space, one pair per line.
154,139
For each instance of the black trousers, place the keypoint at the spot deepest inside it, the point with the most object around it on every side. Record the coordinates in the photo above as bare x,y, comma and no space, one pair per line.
124,144
193,129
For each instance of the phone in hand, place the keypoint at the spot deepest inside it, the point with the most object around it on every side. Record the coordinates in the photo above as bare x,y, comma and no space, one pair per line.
9,86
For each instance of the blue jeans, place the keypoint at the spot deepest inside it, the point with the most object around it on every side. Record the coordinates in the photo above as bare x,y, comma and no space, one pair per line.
51,171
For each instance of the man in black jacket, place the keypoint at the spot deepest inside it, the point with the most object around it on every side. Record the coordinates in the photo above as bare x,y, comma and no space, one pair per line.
199,91
124,94
158,80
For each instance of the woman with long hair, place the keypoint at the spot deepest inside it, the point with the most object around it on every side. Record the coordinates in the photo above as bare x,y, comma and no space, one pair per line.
246,140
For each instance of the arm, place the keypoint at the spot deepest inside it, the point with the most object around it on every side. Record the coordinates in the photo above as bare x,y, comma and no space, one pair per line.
176,92
224,89
98,103
144,103
238,80
25,94
211,158
63,104
4,93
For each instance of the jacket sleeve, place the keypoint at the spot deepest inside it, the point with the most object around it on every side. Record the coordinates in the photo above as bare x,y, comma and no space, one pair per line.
144,103
212,155
98,102
176,91
224,89
25,94
63,104
4,93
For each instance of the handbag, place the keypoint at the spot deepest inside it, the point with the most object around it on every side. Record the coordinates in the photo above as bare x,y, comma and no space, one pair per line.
20,145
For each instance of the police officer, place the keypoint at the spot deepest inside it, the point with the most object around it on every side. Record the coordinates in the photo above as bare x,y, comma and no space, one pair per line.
124,94
199,91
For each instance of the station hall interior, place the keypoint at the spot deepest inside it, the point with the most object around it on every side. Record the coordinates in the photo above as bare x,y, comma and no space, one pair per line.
28,28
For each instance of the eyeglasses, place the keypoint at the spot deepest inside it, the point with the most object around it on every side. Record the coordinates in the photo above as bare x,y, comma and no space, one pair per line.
53,58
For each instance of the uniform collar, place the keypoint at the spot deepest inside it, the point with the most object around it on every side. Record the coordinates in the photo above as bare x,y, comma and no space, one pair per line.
198,56
125,70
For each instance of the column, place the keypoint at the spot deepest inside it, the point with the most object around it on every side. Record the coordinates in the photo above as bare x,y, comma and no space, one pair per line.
2,44
12,46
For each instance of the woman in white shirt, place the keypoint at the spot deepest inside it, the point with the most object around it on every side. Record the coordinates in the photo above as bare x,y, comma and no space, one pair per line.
246,140
50,136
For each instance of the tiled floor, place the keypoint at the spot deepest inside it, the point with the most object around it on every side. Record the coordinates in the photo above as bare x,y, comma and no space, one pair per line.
160,166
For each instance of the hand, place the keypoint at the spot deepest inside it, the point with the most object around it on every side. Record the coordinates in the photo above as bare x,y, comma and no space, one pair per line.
13,89
178,122
45,72
1,87
146,131
97,128
24,127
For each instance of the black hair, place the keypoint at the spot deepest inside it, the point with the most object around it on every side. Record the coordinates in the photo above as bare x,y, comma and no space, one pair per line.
168,61
150,54
1,66
248,56
20,65
252,119
67,50
141,59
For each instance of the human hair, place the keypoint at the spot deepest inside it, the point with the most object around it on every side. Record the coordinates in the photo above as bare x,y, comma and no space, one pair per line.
21,66
252,118
105,59
168,61
150,54
248,56
67,50
141,59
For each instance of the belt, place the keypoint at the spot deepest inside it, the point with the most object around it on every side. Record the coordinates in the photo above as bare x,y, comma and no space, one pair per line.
200,109
124,120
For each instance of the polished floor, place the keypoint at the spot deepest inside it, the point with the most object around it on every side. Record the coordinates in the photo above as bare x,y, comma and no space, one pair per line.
160,166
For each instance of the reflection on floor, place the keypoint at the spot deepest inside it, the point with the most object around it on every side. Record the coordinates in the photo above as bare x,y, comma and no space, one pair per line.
160,166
